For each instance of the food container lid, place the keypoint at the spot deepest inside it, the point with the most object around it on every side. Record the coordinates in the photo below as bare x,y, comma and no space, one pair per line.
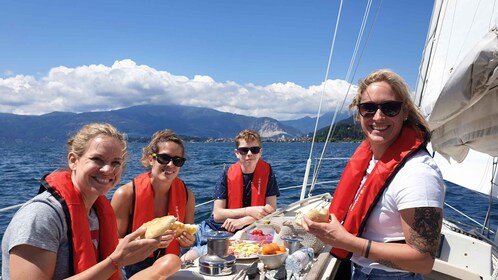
217,261
219,235
292,238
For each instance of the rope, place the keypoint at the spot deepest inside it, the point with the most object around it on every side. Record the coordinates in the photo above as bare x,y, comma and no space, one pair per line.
11,207
308,164
332,127
282,189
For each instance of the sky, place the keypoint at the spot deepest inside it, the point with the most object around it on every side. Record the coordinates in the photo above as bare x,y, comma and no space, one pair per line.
261,58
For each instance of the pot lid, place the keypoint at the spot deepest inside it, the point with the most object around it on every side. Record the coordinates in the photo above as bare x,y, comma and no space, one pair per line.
219,235
292,238
216,261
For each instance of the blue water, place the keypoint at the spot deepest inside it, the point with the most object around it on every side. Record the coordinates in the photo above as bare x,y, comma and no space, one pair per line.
23,165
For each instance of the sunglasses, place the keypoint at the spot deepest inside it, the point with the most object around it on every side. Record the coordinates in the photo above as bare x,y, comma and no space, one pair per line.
389,108
165,159
244,150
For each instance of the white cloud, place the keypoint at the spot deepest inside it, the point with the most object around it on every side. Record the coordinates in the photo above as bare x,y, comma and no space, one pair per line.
125,84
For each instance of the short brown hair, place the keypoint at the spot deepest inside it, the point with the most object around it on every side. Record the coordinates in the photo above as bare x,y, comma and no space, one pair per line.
247,135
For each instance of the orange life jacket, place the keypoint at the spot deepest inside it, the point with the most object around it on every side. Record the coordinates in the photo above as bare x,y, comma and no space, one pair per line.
82,250
352,207
144,204
259,184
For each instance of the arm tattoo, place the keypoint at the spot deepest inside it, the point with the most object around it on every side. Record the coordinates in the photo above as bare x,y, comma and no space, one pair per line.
425,230
389,264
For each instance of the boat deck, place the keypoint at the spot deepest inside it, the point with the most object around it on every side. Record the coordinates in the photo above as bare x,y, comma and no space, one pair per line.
461,256
283,220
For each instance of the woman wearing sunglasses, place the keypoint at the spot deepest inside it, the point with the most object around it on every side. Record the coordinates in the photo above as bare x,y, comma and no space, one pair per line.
245,192
69,230
386,212
156,193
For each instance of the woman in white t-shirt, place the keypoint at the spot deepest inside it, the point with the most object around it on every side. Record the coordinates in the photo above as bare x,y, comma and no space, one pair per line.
386,213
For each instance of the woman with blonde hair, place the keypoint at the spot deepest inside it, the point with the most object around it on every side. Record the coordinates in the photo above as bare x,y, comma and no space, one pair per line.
69,230
386,213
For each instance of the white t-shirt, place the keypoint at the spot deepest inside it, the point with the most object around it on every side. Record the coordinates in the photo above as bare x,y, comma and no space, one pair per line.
417,184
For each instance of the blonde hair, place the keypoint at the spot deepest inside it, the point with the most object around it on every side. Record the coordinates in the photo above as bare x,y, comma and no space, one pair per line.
162,136
400,88
78,144
247,135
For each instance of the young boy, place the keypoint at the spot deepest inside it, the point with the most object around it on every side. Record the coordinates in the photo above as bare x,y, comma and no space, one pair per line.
245,192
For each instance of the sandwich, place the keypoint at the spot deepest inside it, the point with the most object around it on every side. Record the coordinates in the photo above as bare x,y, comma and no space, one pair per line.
180,227
158,226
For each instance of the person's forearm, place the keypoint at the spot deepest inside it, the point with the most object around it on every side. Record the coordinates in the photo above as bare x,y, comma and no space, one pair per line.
220,215
103,270
393,255
401,256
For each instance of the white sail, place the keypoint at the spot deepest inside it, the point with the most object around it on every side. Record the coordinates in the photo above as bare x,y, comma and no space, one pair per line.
458,92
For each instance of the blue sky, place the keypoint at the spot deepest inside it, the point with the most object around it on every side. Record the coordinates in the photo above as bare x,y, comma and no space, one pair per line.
258,58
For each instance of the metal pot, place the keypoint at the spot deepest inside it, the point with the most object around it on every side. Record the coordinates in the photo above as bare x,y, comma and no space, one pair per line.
217,261
215,265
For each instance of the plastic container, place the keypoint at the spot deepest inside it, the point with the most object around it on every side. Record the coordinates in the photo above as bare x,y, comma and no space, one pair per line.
293,243
261,234
299,260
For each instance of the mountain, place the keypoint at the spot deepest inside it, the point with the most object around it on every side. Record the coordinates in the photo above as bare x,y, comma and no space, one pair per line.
307,124
346,130
141,121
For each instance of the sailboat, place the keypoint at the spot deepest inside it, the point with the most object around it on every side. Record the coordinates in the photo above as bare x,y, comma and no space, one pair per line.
457,91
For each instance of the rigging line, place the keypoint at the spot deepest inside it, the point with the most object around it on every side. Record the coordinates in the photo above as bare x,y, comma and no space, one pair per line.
353,60
441,85
491,18
431,39
339,108
308,163
468,31
487,220
435,44
358,42
209,201
11,207
349,78
463,214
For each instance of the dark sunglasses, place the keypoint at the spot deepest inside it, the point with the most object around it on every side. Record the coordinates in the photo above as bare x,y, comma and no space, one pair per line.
244,150
165,159
389,108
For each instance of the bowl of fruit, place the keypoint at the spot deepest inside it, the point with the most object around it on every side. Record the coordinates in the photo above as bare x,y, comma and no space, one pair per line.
273,255
261,234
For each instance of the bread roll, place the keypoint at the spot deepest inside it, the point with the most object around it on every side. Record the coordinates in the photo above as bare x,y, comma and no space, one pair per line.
180,227
190,229
158,226
321,215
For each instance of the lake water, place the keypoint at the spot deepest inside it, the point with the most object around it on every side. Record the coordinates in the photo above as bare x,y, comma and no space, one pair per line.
23,165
